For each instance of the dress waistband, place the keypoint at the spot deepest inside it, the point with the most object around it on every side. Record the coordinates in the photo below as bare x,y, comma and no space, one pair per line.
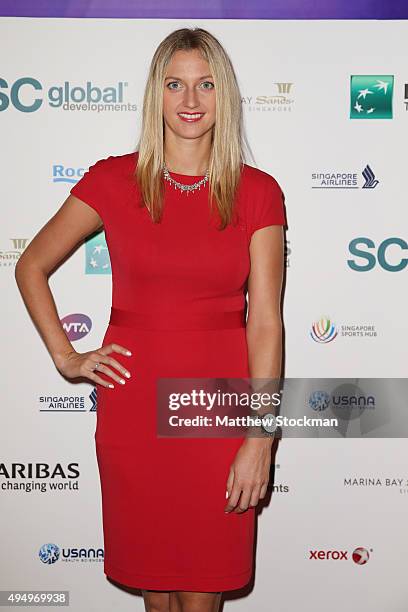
183,319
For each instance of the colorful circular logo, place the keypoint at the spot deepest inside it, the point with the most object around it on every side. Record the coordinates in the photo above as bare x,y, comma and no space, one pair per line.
361,555
323,330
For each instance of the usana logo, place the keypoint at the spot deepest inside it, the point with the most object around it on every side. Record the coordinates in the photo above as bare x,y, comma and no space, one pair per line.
50,553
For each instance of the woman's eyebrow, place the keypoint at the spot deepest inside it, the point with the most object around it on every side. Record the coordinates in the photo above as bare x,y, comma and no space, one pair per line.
199,78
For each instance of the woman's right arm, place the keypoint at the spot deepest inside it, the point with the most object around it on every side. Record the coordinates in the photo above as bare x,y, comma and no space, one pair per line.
71,224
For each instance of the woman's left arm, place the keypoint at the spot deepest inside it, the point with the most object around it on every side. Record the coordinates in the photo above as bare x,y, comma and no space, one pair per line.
249,473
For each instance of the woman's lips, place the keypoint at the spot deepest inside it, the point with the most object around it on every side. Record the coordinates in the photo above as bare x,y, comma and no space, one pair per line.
190,117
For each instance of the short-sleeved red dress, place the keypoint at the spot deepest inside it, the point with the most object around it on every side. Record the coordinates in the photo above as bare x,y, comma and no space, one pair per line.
178,298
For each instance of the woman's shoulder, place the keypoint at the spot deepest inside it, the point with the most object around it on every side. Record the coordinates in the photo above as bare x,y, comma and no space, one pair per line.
119,165
261,198
257,178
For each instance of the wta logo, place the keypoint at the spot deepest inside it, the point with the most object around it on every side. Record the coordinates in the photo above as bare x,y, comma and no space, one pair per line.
323,331
76,325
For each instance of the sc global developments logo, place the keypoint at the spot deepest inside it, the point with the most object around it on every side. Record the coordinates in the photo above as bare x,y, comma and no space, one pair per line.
28,95
388,254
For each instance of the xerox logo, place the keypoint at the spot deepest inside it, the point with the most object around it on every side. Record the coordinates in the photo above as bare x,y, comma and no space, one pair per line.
28,94
328,554
360,555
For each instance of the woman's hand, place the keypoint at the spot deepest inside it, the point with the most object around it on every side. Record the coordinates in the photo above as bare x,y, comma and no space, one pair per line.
249,474
73,364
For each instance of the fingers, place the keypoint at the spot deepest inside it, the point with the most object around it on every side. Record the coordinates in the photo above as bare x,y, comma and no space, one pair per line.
100,380
242,496
233,489
255,496
104,360
244,500
229,485
111,361
264,489
103,368
113,347
233,498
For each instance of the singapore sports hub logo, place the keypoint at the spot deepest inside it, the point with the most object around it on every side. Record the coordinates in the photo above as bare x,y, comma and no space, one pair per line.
324,330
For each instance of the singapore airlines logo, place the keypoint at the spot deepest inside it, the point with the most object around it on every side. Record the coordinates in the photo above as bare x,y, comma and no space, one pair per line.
370,180
344,179
371,96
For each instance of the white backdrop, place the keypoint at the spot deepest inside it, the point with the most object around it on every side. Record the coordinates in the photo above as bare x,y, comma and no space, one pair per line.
48,421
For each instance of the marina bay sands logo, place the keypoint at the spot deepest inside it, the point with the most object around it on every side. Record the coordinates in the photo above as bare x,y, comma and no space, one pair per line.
371,96
11,254
280,98
323,330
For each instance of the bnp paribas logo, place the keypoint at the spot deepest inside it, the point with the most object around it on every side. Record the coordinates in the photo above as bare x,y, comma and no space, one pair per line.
97,255
371,96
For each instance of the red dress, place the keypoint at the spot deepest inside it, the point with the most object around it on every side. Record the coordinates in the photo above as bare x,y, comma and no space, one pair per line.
163,499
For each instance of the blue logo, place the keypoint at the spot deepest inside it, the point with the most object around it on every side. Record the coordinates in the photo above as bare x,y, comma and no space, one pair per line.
97,260
49,553
319,400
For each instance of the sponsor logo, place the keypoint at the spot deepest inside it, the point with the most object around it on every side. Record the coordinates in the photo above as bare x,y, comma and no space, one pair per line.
323,330
279,100
28,95
344,180
76,325
9,257
371,96
68,403
360,555
41,477
389,254
321,400
51,553
97,259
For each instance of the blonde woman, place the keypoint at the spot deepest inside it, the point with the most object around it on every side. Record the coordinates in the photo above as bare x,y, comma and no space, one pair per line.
190,229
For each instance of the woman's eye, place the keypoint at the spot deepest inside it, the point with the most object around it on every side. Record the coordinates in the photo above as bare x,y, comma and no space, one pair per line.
204,84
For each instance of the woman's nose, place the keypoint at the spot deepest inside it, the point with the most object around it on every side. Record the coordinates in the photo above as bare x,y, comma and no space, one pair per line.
191,97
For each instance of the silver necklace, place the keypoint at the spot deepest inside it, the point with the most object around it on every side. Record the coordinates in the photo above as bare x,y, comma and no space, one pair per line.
183,186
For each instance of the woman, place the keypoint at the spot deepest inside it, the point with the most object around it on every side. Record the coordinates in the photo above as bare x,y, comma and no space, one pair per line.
181,269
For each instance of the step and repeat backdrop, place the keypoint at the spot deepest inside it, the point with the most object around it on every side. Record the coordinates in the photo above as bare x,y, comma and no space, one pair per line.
325,105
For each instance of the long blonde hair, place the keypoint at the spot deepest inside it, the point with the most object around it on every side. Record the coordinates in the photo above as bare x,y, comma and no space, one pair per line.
228,139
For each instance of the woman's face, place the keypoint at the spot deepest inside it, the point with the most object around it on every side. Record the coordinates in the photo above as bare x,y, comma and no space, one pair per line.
189,95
